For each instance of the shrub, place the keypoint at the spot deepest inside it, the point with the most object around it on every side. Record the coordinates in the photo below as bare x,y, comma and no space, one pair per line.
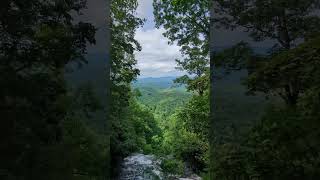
172,166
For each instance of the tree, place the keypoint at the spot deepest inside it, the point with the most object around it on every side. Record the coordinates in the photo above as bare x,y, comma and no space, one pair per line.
285,22
288,74
186,134
37,40
123,45
281,146
123,27
274,148
188,24
84,143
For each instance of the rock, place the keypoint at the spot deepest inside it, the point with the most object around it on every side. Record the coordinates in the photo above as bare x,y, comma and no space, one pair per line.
140,166
147,167
193,177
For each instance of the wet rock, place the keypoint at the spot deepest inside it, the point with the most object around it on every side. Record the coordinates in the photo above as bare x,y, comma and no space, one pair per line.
141,167
147,167
193,177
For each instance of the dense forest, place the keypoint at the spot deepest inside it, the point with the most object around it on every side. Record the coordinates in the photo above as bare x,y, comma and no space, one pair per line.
239,112
264,122
153,119
283,143
47,129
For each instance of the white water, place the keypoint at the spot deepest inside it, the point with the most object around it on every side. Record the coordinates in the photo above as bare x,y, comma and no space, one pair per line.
146,167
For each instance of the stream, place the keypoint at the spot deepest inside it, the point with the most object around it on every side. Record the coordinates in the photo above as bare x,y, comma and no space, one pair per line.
146,167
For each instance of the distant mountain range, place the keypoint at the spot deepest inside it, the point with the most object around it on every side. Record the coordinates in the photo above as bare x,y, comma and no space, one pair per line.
158,82
160,94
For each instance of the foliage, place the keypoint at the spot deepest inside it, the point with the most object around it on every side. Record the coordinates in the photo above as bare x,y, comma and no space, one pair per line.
197,108
285,21
37,40
296,152
283,145
138,129
172,166
288,74
234,58
88,151
185,142
162,102
187,23
123,45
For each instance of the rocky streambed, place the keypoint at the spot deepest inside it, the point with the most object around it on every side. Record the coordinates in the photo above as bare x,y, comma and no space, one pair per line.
147,167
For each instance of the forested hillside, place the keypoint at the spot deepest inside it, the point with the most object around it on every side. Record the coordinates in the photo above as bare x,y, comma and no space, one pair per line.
250,137
161,95
172,106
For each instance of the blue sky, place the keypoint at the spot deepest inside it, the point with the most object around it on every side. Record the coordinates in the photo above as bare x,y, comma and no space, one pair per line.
157,58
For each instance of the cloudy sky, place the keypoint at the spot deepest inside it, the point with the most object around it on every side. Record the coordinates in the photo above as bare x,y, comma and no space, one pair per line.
157,58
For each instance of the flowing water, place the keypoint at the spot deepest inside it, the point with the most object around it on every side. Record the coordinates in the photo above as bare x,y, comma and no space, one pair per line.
146,167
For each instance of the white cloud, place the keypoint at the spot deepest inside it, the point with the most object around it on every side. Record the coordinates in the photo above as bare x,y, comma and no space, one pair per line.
145,8
157,58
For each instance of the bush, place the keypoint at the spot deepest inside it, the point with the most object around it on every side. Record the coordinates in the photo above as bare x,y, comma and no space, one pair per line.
172,166
147,149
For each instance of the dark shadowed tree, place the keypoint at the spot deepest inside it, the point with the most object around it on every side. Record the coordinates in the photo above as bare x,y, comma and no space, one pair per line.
37,39
288,23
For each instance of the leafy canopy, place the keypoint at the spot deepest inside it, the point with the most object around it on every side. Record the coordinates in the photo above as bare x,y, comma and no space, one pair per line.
187,23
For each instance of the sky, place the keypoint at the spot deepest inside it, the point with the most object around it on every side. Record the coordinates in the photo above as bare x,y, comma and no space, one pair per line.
157,58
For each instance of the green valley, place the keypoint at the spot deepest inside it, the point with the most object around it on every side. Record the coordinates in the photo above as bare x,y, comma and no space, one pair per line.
161,95
183,119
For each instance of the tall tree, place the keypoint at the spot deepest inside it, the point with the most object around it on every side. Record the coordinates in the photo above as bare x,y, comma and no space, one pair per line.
281,20
296,67
124,24
37,39
285,22
188,24
123,45
289,72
